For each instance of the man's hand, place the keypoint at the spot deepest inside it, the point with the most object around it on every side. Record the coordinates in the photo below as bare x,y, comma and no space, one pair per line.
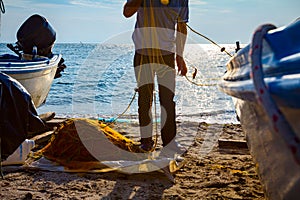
181,34
182,69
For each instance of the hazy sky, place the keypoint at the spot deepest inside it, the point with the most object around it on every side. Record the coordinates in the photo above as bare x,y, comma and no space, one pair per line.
224,21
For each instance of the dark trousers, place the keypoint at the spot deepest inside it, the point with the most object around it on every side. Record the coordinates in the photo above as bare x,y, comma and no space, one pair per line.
146,68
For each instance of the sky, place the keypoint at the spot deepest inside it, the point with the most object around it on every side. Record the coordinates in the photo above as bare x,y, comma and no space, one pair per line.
97,21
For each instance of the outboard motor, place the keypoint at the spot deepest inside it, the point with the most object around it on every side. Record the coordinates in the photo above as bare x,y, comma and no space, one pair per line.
36,32
36,37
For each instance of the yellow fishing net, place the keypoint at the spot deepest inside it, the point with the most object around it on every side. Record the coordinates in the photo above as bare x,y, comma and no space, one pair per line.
68,148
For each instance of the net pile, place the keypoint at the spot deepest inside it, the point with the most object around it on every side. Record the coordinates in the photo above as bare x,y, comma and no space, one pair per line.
67,148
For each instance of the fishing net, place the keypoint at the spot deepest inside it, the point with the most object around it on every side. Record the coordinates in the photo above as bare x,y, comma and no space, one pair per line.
86,145
67,148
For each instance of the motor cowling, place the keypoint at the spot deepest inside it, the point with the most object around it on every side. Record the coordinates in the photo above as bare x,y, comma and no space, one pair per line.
37,32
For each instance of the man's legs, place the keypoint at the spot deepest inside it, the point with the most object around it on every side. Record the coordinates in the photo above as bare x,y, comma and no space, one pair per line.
166,82
145,80
166,74
168,129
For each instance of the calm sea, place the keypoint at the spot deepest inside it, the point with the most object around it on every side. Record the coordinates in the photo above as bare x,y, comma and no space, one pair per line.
99,82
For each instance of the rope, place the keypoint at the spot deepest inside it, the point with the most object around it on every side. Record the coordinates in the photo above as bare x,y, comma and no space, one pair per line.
130,103
198,84
279,124
126,109
210,40
202,35
2,8
194,76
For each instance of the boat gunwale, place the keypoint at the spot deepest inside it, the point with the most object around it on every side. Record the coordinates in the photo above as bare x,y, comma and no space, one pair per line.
34,66
245,89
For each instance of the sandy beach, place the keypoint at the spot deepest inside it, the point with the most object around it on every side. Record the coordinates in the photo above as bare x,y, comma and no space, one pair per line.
225,172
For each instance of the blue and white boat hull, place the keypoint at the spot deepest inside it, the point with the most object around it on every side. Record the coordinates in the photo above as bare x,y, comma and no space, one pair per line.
273,139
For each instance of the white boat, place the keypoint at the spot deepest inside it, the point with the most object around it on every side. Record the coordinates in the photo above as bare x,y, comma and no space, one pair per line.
35,75
264,80
35,66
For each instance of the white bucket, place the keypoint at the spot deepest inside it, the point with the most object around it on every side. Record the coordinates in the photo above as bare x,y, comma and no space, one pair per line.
21,153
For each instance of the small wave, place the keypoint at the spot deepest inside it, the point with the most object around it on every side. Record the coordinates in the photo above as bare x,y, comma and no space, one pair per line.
64,83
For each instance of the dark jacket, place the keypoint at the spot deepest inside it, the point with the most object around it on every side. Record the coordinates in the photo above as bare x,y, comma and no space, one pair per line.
18,115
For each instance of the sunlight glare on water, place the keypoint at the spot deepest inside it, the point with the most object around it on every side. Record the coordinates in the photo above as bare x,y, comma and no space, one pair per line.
99,81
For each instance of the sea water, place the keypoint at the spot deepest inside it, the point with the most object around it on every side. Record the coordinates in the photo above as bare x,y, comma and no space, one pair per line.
99,81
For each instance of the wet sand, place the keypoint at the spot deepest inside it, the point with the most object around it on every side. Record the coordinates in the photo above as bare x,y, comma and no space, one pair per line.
210,172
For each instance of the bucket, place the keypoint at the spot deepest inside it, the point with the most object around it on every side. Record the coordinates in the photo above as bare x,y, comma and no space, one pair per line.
21,153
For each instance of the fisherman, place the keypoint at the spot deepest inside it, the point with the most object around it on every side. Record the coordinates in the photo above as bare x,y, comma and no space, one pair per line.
159,38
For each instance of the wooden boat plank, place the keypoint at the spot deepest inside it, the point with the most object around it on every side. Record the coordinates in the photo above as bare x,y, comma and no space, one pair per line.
44,137
236,144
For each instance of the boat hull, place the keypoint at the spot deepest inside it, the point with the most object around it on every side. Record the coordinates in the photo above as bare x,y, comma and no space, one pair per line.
36,77
263,79
277,167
